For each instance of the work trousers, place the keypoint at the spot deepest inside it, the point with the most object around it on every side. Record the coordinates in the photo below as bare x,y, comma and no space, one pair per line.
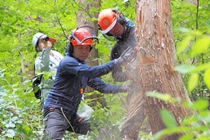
135,114
57,122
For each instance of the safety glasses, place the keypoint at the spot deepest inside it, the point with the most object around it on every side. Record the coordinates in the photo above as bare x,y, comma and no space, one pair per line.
46,39
53,40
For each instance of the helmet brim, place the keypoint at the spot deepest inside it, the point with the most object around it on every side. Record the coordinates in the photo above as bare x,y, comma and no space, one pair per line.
53,40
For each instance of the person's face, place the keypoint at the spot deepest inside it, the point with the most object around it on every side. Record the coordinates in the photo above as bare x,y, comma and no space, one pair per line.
81,52
43,44
117,30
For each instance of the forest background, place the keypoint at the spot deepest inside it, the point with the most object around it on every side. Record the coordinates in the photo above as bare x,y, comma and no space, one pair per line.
20,113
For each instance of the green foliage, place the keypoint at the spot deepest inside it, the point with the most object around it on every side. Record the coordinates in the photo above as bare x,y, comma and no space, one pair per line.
20,112
194,127
194,46
201,69
191,37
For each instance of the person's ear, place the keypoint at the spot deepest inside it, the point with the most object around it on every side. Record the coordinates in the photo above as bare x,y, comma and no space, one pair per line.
37,49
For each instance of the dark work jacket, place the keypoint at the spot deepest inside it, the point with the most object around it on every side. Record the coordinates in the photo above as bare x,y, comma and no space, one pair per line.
127,40
71,77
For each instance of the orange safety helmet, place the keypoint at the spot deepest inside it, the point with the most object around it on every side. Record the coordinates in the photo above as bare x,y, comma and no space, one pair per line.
107,19
81,36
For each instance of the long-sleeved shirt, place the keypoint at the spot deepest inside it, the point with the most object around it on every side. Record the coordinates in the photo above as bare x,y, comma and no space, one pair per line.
47,64
127,40
71,79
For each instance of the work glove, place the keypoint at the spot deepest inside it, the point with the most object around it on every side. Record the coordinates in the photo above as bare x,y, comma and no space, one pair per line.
127,56
127,87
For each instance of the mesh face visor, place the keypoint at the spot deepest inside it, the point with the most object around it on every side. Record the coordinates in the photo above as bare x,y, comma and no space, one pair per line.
83,35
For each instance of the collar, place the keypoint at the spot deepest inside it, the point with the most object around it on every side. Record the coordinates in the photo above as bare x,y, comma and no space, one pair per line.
125,34
83,62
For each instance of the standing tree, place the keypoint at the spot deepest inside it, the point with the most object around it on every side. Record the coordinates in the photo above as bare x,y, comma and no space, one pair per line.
154,34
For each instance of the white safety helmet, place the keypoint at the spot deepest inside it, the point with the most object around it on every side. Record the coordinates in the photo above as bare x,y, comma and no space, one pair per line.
39,36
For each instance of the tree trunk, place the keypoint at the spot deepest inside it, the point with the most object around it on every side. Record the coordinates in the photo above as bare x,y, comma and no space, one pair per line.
154,34
84,18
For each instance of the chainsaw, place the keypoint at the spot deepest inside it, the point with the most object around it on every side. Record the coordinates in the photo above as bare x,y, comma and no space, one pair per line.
140,58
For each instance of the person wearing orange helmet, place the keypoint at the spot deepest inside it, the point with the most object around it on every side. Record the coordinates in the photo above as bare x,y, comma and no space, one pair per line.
112,23
73,75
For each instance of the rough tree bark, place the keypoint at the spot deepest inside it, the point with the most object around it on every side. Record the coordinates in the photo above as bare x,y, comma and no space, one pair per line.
83,18
154,34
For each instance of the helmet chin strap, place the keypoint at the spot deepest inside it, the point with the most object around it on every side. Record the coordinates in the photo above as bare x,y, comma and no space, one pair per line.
125,28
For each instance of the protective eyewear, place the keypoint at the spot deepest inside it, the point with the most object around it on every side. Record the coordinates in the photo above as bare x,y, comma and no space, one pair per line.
46,39
53,40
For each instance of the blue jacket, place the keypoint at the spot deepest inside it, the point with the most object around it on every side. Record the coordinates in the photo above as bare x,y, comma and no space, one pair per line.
71,79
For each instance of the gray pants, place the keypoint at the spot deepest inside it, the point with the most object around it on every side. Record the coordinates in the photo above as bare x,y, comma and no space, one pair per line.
56,124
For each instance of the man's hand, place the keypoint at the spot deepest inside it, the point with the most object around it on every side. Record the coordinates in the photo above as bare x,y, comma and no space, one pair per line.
47,44
128,87
127,56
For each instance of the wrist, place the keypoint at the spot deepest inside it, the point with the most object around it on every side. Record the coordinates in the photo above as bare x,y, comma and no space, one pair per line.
119,61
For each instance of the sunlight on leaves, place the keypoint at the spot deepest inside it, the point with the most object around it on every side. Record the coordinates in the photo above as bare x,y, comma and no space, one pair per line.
192,82
185,30
21,5
161,96
10,125
201,67
200,104
207,77
10,133
184,44
200,46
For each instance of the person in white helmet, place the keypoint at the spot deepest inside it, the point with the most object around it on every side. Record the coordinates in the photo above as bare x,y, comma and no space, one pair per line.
46,63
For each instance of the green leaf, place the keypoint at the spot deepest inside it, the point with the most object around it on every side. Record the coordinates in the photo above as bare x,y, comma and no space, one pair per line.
161,96
204,116
184,68
207,78
21,5
10,125
201,67
26,129
184,44
170,131
192,82
200,46
187,137
200,104
168,118
189,120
